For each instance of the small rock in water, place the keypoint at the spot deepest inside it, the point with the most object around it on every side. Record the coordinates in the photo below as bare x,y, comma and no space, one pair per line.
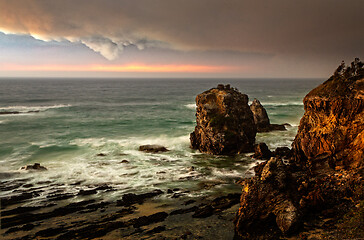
35,166
153,148
101,155
124,161
262,151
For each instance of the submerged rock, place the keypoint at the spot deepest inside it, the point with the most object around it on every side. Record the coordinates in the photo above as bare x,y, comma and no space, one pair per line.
225,123
331,132
152,148
35,166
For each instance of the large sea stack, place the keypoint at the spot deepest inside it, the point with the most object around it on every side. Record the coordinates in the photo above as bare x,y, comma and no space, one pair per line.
331,132
225,123
319,194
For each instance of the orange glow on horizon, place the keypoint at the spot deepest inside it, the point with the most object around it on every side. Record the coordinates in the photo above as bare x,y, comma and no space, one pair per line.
115,68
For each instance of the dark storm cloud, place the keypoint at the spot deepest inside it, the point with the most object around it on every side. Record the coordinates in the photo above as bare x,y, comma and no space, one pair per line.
324,28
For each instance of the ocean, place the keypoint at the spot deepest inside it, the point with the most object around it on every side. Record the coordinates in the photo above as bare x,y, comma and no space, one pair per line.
83,130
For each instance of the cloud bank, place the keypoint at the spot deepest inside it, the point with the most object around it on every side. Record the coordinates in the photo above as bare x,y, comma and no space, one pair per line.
307,29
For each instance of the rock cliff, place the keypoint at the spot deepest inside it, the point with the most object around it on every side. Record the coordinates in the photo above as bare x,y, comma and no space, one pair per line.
225,123
331,132
321,189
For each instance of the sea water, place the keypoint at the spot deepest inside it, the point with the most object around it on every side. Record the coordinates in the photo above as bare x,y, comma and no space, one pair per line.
83,130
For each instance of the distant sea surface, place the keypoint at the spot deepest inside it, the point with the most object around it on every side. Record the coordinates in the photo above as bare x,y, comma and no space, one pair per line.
83,130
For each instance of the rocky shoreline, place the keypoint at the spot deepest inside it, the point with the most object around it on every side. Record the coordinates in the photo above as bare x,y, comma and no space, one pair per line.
155,214
312,191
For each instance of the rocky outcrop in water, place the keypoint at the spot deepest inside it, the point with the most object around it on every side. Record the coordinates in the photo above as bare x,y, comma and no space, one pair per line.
225,123
331,132
153,148
35,166
261,118
321,189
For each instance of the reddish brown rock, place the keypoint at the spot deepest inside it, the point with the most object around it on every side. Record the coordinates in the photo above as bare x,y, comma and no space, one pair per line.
331,132
225,123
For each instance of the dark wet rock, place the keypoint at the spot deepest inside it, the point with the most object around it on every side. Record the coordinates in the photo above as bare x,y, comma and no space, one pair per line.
262,151
184,210
87,192
188,202
225,202
11,200
158,229
203,211
283,152
153,148
25,209
29,185
60,196
261,118
31,218
131,198
9,112
26,227
146,220
101,155
124,161
225,123
278,127
97,205
50,232
104,187
35,166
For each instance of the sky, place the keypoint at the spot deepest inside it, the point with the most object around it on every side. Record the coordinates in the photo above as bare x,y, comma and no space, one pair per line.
179,38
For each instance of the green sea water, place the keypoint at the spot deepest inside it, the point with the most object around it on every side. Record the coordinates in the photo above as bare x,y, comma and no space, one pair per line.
65,124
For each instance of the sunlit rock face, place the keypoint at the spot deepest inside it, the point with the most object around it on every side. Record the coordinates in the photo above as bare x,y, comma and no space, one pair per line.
331,132
225,123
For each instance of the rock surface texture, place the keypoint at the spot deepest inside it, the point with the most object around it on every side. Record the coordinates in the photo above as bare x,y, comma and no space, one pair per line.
261,118
225,123
331,132
319,193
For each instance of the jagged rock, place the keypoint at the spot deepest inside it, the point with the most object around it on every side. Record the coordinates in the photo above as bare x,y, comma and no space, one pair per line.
225,123
282,152
262,151
331,132
266,208
261,118
325,177
152,148
35,166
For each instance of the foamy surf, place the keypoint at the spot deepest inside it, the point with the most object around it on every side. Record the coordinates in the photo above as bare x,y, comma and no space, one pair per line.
191,106
25,109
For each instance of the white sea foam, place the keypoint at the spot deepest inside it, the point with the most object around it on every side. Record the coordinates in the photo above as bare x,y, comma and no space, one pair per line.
24,109
191,106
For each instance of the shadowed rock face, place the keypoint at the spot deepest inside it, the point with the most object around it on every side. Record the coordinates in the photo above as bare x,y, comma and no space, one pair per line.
260,116
331,132
225,123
